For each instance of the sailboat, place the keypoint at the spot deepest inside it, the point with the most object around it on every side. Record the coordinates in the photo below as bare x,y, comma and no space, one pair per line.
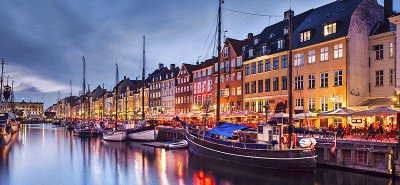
6,118
84,129
272,146
144,130
69,125
115,134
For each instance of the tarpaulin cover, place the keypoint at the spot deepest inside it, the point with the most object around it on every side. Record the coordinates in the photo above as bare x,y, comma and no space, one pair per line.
226,129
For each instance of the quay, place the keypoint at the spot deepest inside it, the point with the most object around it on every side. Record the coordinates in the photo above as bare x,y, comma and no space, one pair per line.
356,155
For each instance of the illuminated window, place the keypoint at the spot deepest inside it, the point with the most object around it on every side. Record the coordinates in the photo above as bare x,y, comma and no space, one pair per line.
324,54
330,29
305,36
338,51
311,56
299,59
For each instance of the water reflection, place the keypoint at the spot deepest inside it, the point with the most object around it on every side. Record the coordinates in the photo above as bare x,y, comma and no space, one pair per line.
42,154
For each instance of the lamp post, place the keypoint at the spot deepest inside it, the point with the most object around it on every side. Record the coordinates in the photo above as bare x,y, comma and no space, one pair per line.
266,106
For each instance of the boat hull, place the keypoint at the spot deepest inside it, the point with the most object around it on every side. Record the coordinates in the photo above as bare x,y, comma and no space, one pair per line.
85,133
14,128
143,134
5,138
303,159
120,136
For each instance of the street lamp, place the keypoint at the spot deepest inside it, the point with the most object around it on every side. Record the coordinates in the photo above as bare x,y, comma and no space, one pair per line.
266,106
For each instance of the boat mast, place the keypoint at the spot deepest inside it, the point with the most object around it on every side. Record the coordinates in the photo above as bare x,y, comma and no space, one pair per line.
116,96
219,64
1,83
83,106
290,68
143,75
12,97
70,100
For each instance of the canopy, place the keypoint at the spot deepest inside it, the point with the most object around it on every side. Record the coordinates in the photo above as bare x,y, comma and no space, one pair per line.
281,115
342,112
304,115
226,114
193,115
245,113
380,111
227,129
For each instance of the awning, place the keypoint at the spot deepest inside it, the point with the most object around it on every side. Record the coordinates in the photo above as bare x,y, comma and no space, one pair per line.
245,113
376,102
342,112
227,129
380,111
304,115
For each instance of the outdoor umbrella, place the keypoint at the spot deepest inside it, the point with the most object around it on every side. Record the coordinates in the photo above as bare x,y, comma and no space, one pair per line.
280,115
379,111
245,113
304,115
226,114
342,112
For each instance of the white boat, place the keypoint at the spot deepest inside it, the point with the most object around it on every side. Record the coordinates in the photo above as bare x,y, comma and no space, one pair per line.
114,135
142,132
177,145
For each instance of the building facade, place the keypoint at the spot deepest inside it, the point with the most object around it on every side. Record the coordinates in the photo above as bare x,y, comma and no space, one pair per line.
203,86
183,94
168,88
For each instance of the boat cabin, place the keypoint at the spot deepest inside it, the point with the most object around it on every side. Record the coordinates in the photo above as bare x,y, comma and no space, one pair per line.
272,133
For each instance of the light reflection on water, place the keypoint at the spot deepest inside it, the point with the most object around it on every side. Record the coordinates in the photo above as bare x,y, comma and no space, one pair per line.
42,154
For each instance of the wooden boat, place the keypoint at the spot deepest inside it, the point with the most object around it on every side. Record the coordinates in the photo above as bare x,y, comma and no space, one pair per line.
84,130
114,135
69,125
56,123
5,128
143,131
177,145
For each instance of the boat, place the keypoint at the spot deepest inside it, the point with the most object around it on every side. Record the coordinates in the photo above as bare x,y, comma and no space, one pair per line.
5,128
84,130
177,145
15,126
270,145
143,131
56,122
69,125
114,135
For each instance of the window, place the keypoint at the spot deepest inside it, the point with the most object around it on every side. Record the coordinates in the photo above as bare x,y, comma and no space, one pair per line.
247,69
267,85
391,49
239,91
253,68
285,30
324,79
329,29
226,51
284,83
253,87
264,49
260,66
324,54
267,65
284,61
227,78
337,104
338,77
305,36
247,88
311,56
379,78
233,76
338,51
311,81
260,86
280,44
299,59
299,102
311,104
298,82
378,51
233,63
239,76
239,61
324,104
251,53
391,76
276,84
276,63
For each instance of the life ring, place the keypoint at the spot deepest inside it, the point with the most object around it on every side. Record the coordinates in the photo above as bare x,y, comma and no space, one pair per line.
284,140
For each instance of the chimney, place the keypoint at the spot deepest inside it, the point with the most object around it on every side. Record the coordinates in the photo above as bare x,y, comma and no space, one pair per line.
124,77
197,63
160,65
172,66
287,13
388,8
250,35
148,75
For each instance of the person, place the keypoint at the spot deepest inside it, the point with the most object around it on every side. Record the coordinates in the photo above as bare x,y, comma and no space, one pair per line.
370,132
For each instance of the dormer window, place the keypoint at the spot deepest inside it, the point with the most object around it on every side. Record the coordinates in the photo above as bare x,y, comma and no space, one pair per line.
256,41
305,36
251,53
285,31
330,29
226,51
264,49
280,44
271,35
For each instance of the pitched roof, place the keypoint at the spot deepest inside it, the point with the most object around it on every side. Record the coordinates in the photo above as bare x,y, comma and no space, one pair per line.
207,63
97,93
339,12
237,45
154,74
190,67
123,84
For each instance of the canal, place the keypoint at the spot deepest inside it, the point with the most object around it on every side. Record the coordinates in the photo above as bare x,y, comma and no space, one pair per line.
45,155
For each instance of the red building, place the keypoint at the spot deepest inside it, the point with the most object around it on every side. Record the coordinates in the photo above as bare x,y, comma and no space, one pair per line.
183,93
231,75
203,85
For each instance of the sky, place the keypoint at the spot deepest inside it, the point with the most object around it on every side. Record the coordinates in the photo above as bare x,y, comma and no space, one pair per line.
43,42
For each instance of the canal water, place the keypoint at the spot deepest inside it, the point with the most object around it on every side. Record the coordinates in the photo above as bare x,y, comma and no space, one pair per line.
45,155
